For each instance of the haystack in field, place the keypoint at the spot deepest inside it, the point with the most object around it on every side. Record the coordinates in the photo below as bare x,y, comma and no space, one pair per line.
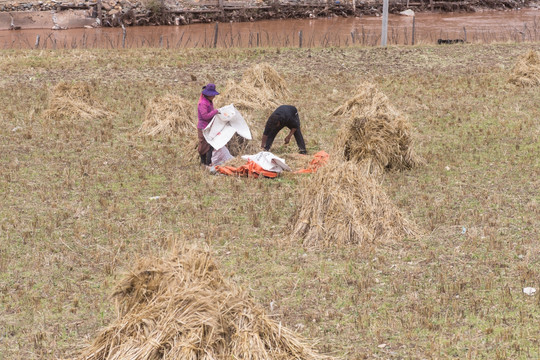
172,116
526,71
182,308
74,101
242,146
375,132
169,115
261,88
343,204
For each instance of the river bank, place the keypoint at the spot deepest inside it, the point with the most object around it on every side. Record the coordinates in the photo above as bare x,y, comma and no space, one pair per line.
58,15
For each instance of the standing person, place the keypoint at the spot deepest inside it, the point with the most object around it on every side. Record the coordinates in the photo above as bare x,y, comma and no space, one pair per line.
283,116
205,112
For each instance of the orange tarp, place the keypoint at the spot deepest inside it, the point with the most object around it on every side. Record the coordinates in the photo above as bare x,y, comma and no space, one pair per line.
253,170
319,159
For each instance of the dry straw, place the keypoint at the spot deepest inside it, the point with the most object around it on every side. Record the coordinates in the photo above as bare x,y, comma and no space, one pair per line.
169,115
172,116
182,308
526,71
74,101
374,132
241,146
261,88
343,204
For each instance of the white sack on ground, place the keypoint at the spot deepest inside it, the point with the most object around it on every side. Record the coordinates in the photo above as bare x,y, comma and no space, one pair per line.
268,161
221,156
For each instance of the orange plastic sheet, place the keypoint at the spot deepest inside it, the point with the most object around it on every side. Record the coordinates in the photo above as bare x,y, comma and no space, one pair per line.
251,169
319,159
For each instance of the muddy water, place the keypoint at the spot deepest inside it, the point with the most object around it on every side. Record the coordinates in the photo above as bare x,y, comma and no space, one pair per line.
485,27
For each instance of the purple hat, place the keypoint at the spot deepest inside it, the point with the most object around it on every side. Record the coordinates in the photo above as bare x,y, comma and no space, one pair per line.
210,90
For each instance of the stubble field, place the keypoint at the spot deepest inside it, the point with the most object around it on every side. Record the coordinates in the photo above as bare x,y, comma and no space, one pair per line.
78,206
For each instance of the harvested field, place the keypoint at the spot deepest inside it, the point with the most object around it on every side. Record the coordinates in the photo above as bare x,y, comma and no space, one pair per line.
183,308
342,204
76,212
526,71
375,133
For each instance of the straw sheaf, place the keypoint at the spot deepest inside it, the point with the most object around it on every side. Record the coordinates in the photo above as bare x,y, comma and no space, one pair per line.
343,204
182,308
375,132
261,87
169,115
526,71
74,102
172,116
241,146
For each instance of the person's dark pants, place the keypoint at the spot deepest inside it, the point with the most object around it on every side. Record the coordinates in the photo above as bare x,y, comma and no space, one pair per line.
297,136
204,148
300,141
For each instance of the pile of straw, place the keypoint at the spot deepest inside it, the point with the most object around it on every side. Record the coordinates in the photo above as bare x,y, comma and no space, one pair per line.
343,204
174,117
182,308
375,132
261,87
169,115
526,71
241,146
74,101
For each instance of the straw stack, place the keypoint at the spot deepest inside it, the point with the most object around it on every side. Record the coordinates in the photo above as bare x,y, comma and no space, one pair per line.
182,308
343,204
74,102
169,115
241,146
261,87
172,116
374,132
526,71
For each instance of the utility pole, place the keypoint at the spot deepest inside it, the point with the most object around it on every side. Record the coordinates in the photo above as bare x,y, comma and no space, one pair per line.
384,35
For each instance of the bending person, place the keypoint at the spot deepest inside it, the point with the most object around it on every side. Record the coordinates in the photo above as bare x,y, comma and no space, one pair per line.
283,116
205,112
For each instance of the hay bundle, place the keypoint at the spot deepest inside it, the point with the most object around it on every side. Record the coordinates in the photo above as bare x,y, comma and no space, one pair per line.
375,132
261,88
342,204
172,116
74,101
263,76
241,146
182,308
169,115
526,71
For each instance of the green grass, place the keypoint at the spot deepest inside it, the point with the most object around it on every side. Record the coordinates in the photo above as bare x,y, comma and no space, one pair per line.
75,208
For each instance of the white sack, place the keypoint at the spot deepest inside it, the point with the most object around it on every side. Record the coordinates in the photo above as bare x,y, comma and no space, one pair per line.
223,126
268,161
220,156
